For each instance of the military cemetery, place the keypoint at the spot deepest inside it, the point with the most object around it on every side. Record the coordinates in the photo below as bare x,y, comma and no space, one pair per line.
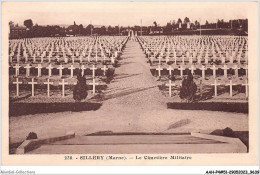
100,87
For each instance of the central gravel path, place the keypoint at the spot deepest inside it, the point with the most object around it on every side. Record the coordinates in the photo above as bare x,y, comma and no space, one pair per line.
133,103
133,85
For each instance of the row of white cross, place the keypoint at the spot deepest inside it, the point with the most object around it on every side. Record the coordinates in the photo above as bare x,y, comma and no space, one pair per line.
184,43
66,60
40,47
195,52
203,68
48,83
191,59
60,68
230,84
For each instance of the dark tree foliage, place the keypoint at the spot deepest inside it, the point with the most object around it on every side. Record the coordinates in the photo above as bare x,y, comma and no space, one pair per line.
31,135
109,74
188,89
28,23
80,90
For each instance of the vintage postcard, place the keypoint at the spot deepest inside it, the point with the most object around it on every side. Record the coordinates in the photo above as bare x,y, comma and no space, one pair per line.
129,83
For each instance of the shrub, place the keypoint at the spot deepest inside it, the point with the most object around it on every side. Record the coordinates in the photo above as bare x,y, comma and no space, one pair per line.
31,135
188,88
80,90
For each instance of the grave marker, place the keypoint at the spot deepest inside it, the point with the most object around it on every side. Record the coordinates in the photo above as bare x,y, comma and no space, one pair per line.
49,69
230,87
60,70
181,70
93,68
225,68
94,86
203,68
82,69
17,67
159,69
39,68
170,69
236,70
48,86
215,87
17,86
170,84
27,67
104,69
71,70
63,83
192,68
32,83
214,68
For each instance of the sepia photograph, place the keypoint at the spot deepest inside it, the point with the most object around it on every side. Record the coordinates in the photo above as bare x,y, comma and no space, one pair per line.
125,81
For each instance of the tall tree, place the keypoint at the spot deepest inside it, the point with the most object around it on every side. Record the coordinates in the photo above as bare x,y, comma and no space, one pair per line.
196,23
28,23
186,20
155,24
179,21
103,30
89,28
11,24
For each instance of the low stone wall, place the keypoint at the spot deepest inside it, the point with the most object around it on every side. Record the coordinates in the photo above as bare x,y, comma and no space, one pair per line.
211,106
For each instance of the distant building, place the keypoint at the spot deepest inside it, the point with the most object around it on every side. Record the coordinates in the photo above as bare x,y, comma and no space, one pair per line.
17,32
156,30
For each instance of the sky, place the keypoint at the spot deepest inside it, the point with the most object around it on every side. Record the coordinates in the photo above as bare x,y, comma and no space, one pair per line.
120,13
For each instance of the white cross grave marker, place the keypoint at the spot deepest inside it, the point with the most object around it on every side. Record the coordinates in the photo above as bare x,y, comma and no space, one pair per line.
48,86
223,60
104,69
181,70
230,87
39,67
113,60
17,67
190,60
32,83
71,70
28,67
82,69
225,70
73,58
93,68
214,68
60,70
17,86
63,83
94,86
170,69
236,70
192,68
203,68
159,69
50,69
170,84
215,87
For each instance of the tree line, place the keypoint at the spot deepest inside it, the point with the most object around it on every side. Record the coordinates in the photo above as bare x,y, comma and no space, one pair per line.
35,30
